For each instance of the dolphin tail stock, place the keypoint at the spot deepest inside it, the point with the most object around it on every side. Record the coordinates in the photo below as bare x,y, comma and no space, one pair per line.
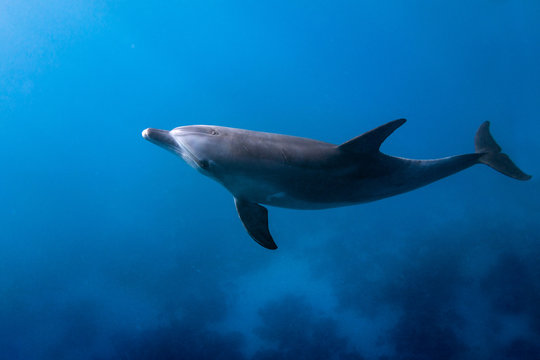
492,155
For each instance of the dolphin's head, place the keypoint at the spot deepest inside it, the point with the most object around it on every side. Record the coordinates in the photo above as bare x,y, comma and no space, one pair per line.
198,145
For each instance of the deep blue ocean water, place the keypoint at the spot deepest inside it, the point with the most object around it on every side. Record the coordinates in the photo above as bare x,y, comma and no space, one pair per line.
112,248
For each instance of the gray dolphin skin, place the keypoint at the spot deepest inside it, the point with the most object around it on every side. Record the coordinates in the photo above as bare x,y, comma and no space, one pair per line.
299,173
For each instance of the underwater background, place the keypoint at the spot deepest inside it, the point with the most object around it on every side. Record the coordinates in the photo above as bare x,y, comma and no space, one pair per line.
112,248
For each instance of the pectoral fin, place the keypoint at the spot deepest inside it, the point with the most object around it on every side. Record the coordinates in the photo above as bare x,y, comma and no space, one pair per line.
255,220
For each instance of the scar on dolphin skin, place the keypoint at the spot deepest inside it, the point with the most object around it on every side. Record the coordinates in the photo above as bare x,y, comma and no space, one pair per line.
309,174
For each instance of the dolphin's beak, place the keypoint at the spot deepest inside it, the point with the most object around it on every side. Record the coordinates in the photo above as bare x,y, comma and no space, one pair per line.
162,138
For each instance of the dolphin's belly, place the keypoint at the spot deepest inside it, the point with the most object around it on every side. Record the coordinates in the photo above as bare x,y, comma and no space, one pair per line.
326,187
306,192
284,200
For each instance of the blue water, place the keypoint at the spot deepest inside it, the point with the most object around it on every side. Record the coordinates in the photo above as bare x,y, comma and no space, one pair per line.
112,248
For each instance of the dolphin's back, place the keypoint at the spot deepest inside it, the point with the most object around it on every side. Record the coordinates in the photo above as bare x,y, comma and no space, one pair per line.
281,150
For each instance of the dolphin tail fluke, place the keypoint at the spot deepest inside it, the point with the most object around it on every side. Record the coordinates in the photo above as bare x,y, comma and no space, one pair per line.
492,155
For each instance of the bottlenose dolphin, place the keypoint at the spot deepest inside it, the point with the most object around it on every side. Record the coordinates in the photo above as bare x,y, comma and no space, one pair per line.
299,173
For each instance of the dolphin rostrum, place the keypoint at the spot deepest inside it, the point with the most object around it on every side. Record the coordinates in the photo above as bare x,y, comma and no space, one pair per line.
299,173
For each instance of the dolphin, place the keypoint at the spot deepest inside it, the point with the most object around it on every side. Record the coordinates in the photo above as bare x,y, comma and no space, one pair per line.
299,173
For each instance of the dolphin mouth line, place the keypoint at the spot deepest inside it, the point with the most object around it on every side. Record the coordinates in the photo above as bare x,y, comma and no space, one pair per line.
186,152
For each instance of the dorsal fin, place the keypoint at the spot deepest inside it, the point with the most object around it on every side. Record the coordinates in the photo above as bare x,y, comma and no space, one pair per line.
371,141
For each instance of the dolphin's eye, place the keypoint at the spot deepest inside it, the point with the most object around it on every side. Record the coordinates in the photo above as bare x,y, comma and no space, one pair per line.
214,132
204,164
